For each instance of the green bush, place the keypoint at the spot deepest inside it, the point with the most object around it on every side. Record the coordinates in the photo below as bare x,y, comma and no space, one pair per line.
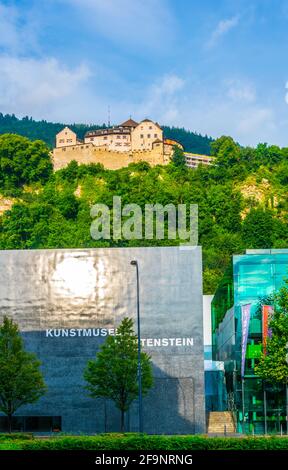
15,436
145,442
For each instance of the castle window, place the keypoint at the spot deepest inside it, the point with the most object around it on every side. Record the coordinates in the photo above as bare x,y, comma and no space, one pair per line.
91,139
118,136
155,135
148,135
142,136
150,127
124,137
105,137
63,149
61,141
69,140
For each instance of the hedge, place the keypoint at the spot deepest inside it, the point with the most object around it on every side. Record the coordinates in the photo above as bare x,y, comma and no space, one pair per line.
146,442
15,436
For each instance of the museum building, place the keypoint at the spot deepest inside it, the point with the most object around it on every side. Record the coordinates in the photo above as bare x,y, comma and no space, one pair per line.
66,303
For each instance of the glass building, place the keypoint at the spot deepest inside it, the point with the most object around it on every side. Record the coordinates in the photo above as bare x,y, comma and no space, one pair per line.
250,279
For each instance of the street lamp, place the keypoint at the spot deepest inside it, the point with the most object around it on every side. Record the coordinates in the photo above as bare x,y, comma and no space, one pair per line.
135,263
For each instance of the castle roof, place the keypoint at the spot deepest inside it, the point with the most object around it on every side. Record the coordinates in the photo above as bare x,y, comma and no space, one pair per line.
149,120
129,123
107,131
66,128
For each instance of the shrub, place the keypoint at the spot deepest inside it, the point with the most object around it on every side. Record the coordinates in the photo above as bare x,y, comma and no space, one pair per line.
146,442
16,436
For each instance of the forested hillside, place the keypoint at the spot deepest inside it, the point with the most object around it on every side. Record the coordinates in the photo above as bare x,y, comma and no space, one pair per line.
46,131
242,199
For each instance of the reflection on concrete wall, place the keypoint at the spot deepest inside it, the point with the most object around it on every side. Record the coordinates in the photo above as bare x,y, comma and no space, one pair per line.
94,289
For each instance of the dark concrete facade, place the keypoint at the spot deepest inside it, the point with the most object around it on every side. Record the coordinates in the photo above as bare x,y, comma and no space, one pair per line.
69,291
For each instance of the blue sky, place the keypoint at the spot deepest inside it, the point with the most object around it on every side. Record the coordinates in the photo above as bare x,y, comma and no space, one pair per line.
213,66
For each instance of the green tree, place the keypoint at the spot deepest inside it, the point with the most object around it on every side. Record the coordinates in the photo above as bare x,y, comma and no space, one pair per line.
268,155
226,151
21,381
113,374
178,157
258,228
273,366
23,161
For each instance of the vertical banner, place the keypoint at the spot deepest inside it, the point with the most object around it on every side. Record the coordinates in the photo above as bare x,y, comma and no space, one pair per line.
267,311
245,310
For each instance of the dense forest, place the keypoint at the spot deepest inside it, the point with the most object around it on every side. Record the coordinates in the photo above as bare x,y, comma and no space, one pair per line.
242,199
46,131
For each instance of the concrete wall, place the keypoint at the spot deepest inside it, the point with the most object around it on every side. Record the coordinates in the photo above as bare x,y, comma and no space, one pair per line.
96,288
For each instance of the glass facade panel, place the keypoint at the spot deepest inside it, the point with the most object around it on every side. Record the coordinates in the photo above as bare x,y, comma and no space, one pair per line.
252,278
32,424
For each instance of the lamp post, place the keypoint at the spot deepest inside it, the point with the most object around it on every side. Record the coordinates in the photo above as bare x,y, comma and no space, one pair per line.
243,404
265,407
135,263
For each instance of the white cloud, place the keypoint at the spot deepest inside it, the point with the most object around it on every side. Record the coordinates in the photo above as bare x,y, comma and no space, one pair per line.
239,91
210,112
161,100
134,23
35,86
18,30
168,86
286,95
8,32
256,120
222,28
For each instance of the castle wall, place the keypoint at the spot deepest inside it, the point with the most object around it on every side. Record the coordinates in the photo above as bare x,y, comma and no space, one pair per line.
112,160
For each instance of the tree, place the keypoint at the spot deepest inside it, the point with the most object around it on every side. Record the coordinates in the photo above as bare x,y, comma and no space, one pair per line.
178,157
23,161
273,366
21,381
226,151
258,228
268,155
113,374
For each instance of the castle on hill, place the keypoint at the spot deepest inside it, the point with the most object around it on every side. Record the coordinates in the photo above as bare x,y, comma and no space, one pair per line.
116,146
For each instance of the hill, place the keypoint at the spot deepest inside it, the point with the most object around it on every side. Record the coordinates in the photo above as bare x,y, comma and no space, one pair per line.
242,199
46,131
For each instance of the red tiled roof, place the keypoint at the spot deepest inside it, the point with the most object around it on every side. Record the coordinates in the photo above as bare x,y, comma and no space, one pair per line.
129,123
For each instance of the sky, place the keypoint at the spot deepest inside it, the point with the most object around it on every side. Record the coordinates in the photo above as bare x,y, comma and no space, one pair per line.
217,67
